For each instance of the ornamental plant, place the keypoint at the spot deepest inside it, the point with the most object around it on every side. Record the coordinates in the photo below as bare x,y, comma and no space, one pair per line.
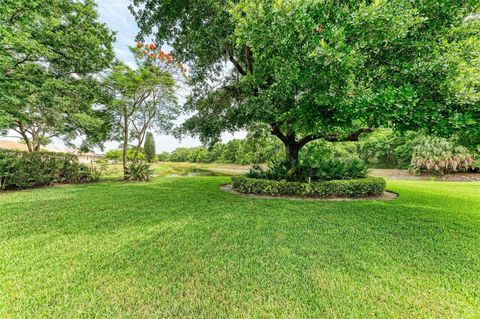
143,99
441,156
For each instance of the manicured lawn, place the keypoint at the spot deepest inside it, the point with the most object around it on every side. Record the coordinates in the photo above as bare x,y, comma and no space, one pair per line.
180,247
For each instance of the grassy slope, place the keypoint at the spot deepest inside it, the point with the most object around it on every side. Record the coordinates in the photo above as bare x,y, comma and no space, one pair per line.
181,247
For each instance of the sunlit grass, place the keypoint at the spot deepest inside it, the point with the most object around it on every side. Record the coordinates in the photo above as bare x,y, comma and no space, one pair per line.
180,247
114,171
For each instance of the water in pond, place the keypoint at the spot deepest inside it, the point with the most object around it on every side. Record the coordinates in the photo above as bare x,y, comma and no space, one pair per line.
194,172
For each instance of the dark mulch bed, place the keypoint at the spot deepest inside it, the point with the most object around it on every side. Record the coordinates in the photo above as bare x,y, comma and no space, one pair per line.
400,174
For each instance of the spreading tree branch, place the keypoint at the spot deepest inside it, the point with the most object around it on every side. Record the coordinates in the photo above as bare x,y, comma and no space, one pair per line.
237,65
278,133
352,137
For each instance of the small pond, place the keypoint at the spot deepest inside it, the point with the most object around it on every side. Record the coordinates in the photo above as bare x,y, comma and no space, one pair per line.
194,172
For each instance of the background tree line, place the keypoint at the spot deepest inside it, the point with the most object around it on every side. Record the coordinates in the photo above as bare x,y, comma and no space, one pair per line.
382,149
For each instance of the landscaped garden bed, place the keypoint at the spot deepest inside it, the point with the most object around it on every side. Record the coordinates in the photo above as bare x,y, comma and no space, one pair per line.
354,188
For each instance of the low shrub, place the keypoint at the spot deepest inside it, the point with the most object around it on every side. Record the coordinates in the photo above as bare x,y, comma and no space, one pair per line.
362,187
138,172
348,167
312,169
99,170
24,170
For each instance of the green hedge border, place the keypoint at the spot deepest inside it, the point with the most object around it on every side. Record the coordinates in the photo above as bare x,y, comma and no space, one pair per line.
362,187
20,170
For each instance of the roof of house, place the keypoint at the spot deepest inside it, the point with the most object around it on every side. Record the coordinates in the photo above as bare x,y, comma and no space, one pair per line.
12,145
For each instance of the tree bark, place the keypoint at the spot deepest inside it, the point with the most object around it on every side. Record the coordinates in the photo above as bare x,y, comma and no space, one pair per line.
141,135
125,144
23,132
292,146
141,138
292,149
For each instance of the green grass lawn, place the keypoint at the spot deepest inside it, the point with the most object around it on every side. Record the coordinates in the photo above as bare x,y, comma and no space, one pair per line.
180,247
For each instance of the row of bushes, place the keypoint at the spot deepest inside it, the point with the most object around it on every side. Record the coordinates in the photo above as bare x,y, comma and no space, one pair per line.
362,187
25,170
253,149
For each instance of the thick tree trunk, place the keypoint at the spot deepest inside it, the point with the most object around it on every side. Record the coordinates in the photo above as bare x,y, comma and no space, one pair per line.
293,145
292,150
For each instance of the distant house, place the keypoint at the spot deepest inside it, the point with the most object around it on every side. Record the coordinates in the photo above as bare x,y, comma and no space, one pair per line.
88,157
82,157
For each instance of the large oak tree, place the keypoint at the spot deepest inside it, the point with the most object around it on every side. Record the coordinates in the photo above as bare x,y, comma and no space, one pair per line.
327,69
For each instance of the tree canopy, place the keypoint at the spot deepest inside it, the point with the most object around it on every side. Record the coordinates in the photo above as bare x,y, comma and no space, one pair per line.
314,69
51,53
143,99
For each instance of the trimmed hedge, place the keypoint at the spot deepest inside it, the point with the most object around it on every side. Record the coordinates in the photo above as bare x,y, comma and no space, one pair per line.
362,187
25,170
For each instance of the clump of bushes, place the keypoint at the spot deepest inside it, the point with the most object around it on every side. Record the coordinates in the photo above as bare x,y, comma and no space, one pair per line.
24,170
419,152
362,187
138,172
312,169
387,149
439,155
116,155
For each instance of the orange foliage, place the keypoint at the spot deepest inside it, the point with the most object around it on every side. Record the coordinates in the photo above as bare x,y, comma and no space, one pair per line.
149,50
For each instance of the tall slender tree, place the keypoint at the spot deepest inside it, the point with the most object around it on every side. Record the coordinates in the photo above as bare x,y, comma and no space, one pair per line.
143,99
149,148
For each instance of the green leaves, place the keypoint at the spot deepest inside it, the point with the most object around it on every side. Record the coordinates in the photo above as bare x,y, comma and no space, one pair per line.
143,100
149,148
315,68
51,53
